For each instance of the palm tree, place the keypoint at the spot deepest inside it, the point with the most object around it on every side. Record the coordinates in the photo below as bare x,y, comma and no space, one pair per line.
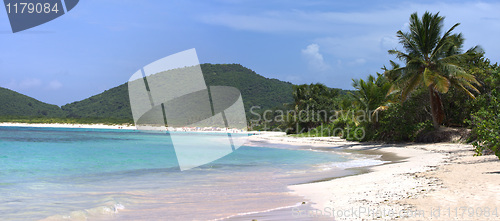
433,60
372,94
300,95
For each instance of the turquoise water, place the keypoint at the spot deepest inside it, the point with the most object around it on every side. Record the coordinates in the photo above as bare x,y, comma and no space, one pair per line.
103,174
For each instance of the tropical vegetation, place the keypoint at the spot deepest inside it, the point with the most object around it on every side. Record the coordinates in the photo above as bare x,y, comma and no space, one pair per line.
437,87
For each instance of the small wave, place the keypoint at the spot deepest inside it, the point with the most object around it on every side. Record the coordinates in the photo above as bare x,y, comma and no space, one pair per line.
355,163
89,213
341,153
256,212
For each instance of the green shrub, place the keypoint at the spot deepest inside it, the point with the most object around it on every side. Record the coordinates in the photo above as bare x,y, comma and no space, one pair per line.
486,124
403,121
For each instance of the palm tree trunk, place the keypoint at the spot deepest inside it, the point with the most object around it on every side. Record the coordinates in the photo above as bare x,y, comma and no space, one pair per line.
436,108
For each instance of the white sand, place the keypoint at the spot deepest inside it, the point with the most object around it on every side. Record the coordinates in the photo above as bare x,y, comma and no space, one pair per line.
441,176
130,127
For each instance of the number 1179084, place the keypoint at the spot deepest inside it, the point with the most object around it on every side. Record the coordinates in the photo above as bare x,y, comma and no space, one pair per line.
30,7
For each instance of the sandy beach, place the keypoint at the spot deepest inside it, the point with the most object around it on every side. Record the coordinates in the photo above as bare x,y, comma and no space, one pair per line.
442,181
129,127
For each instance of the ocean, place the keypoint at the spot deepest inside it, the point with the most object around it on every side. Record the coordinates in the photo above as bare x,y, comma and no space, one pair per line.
104,174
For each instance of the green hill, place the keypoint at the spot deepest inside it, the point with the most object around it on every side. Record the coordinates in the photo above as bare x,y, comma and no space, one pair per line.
256,90
13,104
112,103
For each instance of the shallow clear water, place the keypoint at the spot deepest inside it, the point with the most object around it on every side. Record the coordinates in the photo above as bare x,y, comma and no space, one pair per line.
102,174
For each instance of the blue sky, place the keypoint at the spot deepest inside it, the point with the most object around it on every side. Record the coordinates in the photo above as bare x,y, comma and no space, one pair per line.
101,43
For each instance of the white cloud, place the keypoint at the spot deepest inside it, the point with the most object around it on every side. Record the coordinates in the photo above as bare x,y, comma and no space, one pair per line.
304,21
330,21
388,42
29,83
32,83
54,85
357,48
370,30
358,61
315,59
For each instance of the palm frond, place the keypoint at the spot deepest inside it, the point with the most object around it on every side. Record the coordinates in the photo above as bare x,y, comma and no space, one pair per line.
442,41
410,85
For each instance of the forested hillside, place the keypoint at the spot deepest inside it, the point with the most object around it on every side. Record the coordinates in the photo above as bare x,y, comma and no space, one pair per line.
256,90
113,104
13,104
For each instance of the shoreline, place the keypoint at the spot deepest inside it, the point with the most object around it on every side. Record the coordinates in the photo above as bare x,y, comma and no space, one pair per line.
133,127
440,181
428,182
61,125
